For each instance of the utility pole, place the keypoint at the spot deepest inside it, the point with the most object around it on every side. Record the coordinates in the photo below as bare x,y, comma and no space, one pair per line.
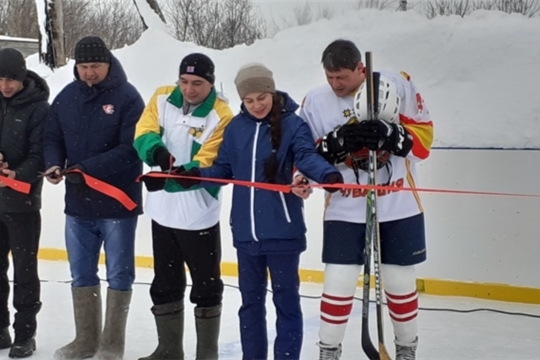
57,32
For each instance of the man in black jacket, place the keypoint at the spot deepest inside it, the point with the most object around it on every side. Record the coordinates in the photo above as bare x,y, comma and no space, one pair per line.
23,97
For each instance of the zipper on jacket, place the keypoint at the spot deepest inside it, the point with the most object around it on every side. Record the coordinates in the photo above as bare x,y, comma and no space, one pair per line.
252,189
285,209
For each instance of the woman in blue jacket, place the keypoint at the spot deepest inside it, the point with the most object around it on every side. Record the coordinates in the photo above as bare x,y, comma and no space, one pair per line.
265,142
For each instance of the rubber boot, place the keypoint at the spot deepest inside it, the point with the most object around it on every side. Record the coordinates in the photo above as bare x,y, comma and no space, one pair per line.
207,323
170,329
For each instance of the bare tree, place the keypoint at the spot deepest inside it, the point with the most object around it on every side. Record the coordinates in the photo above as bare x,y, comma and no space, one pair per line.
216,24
203,22
376,4
447,7
325,12
239,24
528,8
3,14
463,8
76,14
303,14
19,18
177,14
115,21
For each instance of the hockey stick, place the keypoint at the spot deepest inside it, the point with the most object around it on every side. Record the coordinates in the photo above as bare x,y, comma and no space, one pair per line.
372,231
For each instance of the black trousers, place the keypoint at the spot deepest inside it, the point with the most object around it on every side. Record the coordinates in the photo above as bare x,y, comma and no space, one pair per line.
200,250
19,234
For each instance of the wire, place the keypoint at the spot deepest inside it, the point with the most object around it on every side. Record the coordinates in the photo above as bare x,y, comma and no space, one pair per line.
314,297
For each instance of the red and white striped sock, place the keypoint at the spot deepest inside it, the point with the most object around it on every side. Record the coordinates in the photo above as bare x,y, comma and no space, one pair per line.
340,282
400,287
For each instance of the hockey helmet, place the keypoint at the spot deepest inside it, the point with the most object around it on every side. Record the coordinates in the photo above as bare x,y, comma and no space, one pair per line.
389,101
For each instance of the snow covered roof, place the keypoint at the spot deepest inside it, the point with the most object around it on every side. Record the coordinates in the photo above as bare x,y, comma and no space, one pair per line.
18,39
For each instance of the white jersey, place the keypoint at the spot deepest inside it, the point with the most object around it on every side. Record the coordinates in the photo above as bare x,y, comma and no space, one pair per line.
324,111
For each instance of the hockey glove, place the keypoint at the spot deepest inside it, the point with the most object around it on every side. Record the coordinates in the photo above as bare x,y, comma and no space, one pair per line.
336,144
382,135
187,183
163,158
74,177
333,178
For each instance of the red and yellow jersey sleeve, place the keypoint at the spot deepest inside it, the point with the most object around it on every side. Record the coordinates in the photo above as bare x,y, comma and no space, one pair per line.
415,117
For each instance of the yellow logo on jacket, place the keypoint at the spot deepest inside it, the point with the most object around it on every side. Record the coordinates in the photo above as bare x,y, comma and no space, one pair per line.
196,132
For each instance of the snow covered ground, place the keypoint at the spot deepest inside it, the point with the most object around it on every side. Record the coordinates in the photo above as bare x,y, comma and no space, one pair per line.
443,334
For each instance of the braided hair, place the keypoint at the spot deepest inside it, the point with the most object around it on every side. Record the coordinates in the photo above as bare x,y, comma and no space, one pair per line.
271,165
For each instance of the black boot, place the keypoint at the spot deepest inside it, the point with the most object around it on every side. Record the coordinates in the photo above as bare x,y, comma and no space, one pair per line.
207,323
25,325
5,338
22,349
170,329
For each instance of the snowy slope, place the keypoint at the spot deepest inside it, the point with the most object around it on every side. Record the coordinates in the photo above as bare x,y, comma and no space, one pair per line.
479,75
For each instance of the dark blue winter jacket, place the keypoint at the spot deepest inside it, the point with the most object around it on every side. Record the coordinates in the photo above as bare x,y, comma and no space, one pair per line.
94,127
263,221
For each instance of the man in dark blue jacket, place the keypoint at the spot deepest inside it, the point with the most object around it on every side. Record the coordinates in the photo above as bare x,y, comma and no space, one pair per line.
90,128
24,107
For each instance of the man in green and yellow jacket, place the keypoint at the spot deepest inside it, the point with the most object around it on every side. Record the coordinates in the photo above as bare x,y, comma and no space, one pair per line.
182,127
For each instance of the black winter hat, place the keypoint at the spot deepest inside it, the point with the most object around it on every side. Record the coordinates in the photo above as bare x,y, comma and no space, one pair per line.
12,64
198,64
91,49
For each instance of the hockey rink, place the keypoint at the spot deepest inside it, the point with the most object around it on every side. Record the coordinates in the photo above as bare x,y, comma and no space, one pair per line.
443,334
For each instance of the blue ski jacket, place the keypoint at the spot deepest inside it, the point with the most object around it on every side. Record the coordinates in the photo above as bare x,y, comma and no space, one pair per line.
264,221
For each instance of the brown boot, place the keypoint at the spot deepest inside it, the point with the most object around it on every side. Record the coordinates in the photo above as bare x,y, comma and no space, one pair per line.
87,310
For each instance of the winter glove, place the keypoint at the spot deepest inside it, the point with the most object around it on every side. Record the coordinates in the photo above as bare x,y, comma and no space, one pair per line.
74,177
163,158
382,135
153,184
156,184
187,183
333,178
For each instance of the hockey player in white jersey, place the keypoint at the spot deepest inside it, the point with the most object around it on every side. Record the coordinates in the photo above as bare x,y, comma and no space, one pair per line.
402,137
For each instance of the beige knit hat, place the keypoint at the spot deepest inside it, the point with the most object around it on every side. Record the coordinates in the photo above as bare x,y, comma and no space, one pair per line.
254,78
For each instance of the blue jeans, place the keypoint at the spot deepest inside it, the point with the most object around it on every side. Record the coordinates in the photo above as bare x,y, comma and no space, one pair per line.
83,244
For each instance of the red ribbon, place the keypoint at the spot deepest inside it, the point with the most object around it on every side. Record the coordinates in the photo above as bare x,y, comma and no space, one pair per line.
106,189
288,188
16,185
265,186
